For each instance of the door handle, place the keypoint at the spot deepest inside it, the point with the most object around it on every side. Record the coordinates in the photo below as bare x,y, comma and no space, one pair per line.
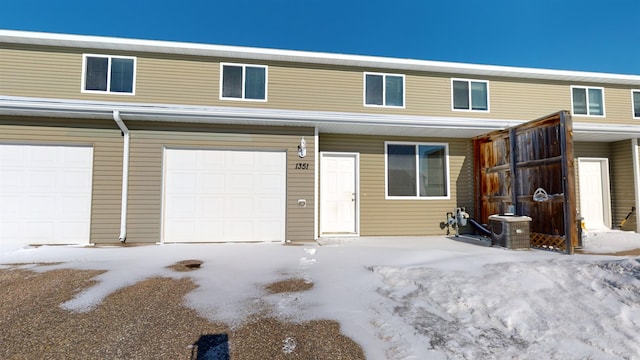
353,196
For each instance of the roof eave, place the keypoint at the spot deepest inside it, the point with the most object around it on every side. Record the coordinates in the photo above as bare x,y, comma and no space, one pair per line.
252,53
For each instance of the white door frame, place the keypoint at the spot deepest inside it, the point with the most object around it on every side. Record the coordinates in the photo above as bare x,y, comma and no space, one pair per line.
356,170
605,180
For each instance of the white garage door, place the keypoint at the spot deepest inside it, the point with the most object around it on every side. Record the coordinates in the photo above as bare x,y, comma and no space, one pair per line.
223,195
45,194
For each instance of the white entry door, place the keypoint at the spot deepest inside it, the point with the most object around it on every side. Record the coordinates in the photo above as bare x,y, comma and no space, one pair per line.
224,195
339,194
45,194
595,203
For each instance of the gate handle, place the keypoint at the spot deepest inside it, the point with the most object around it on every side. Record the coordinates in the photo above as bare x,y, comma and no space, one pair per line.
540,195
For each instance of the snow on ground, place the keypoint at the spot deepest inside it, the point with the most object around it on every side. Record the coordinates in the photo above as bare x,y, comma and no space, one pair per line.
400,298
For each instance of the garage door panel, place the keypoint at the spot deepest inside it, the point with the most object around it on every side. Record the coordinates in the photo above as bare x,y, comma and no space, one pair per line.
181,207
40,180
75,181
73,229
239,207
11,180
269,184
44,158
230,193
213,160
240,183
267,227
265,205
180,230
212,231
212,183
75,206
11,206
45,193
39,205
241,159
212,207
10,230
38,231
182,182
237,230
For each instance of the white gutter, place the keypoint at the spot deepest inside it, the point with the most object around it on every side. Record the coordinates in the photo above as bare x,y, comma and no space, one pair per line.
125,175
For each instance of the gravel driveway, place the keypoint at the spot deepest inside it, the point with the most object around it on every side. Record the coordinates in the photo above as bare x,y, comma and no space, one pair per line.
146,321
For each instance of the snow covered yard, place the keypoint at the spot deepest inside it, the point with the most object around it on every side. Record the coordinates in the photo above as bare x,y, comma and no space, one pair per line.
399,298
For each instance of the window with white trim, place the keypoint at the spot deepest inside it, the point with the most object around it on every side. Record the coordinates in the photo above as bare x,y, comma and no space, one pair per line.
243,82
470,95
108,74
635,98
417,170
588,101
383,90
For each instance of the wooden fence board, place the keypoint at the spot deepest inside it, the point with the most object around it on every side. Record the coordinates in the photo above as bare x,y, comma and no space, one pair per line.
512,164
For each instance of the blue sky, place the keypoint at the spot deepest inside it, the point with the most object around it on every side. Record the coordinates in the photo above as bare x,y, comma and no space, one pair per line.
602,36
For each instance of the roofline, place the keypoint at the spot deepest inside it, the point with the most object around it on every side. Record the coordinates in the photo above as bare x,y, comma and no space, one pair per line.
253,53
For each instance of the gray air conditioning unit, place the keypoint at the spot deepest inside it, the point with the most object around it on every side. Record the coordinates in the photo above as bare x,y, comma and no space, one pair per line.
510,231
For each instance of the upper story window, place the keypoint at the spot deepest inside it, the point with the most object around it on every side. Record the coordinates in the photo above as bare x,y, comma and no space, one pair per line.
635,98
471,95
587,101
417,170
108,74
383,90
243,82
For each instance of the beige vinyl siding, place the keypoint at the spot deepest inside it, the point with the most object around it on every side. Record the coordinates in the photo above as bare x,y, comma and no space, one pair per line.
107,164
176,80
379,216
145,183
623,195
194,80
29,71
618,105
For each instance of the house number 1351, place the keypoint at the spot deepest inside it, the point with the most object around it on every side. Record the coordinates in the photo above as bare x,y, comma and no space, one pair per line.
302,166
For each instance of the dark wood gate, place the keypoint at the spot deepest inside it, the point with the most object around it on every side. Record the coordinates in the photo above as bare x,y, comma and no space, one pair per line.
535,158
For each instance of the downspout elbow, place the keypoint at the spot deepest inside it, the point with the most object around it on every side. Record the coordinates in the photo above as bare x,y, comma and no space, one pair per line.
125,175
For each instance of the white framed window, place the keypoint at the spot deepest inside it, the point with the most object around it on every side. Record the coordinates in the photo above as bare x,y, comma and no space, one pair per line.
416,170
108,74
587,101
635,102
469,95
384,90
243,82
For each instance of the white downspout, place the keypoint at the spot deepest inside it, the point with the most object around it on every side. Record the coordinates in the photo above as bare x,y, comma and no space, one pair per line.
315,183
125,175
636,177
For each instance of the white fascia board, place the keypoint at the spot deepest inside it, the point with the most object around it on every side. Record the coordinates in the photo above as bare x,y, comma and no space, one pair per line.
170,47
607,129
47,107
